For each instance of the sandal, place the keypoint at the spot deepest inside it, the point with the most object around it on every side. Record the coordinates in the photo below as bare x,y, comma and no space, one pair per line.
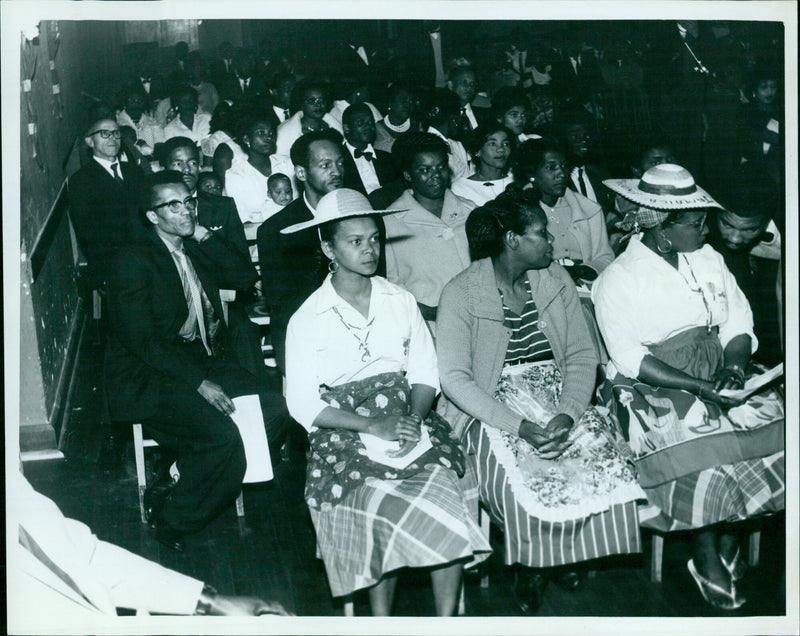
713,593
737,567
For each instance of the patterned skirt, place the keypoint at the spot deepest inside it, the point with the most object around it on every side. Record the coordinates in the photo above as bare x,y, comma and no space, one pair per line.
577,507
378,520
699,465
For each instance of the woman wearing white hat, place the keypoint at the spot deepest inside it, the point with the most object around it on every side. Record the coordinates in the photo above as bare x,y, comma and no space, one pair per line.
679,332
360,364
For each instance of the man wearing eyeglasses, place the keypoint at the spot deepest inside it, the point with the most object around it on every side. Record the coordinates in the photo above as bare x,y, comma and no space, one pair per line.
174,362
103,200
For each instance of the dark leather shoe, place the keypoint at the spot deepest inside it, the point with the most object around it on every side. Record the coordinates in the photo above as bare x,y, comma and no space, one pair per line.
569,580
155,497
528,590
169,537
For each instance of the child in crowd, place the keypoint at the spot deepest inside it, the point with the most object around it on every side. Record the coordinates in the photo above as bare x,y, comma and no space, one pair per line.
209,183
279,191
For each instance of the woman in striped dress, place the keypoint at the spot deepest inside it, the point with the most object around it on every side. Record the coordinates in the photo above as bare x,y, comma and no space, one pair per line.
518,368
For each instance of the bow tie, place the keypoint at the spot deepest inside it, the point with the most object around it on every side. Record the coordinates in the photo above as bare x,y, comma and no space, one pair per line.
366,154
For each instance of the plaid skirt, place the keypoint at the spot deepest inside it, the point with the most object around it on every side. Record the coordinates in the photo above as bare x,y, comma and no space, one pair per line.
384,525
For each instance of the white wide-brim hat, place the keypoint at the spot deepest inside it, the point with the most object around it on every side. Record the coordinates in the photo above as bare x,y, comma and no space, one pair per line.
337,205
664,187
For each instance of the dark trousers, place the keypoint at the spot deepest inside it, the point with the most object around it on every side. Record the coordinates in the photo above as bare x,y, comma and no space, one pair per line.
210,453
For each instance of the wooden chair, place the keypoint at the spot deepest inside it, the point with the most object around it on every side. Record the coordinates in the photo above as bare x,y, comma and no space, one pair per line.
139,444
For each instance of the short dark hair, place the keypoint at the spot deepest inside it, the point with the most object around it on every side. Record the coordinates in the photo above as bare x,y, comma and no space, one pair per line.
352,111
300,153
505,99
529,157
207,175
749,193
275,177
476,138
172,144
153,181
411,143
487,225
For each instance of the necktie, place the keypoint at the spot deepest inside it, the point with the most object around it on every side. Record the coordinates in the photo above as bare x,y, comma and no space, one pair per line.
581,183
191,289
366,154
117,175
286,113
466,123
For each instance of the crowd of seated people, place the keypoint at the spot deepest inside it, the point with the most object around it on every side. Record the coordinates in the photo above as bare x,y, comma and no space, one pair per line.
449,254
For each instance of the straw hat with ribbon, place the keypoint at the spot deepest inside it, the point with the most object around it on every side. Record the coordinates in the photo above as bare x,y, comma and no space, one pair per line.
662,189
666,187
338,205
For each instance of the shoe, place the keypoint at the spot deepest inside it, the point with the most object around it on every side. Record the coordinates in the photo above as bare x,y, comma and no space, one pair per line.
110,457
569,580
713,593
167,535
528,591
155,497
737,567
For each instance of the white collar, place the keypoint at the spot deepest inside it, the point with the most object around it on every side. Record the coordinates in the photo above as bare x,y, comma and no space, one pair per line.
106,163
327,298
311,208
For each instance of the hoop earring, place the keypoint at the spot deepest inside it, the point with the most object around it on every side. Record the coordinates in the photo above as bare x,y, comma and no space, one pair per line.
333,266
664,250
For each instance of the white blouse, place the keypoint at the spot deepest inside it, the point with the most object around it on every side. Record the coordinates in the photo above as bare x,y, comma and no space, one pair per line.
201,128
641,300
480,192
248,187
324,345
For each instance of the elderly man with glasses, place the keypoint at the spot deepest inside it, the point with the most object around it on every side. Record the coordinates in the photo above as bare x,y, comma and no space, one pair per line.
103,200
174,362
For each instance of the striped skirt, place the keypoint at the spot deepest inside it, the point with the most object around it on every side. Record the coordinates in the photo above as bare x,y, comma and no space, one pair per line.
385,525
534,542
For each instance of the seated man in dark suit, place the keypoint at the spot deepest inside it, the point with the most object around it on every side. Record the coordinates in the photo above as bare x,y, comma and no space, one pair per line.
365,168
103,198
290,266
215,212
462,82
173,361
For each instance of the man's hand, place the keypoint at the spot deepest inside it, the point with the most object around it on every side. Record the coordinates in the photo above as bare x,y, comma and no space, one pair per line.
222,605
215,396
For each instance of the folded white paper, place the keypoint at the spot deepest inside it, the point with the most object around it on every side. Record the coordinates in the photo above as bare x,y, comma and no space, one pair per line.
380,450
250,421
754,384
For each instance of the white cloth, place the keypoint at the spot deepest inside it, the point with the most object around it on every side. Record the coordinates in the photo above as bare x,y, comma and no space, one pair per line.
292,129
366,169
321,350
147,130
770,249
248,188
467,112
104,576
340,105
423,252
480,192
208,146
200,128
459,161
642,300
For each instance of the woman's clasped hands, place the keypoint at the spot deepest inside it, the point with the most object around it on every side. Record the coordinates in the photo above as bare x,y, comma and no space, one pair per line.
404,428
550,441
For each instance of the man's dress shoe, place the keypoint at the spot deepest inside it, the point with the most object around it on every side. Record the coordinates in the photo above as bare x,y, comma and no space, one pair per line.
168,536
528,590
155,497
569,580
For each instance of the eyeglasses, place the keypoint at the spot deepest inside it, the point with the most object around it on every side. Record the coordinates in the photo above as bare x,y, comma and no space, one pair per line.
315,100
264,133
190,203
107,134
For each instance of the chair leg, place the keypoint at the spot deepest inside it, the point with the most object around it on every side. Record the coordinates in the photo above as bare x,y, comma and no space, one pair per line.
141,476
97,305
462,608
486,526
348,605
656,558
240,505
754,547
